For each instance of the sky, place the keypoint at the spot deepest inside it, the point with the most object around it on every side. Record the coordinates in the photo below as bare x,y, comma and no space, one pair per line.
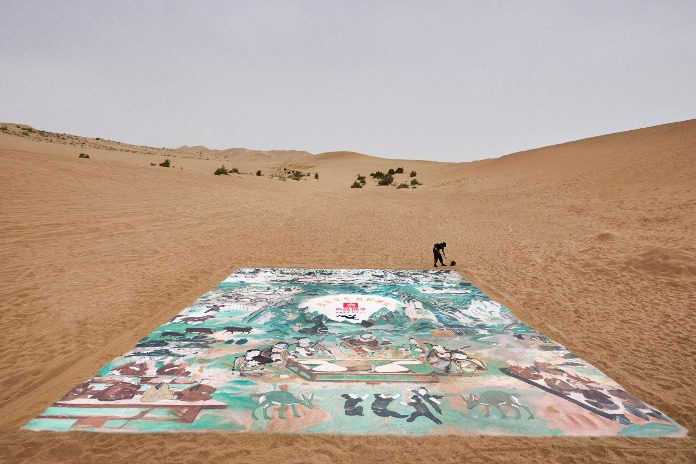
437,80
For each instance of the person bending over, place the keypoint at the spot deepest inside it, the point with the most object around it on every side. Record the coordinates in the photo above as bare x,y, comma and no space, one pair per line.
439,252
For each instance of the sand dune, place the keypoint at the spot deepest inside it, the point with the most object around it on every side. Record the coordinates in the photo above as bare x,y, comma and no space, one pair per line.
590,242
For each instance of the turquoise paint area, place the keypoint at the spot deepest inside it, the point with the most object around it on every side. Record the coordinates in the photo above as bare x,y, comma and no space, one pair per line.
354,352
650,430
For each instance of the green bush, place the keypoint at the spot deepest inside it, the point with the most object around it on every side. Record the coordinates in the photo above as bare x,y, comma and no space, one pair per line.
399,171
391,172
386,180
413,174
356,185
377,175
165,163
402,185
258,173
221,171
234,170
414,181
83,155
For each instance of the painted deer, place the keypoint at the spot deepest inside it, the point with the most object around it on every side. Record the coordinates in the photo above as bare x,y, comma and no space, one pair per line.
496,399
282,398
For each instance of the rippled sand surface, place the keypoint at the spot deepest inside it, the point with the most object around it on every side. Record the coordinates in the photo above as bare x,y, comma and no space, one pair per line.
592,243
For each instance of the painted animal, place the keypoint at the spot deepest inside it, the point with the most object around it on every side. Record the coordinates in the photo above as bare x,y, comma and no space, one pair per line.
190,319
201,330
238,329
496,399
283,399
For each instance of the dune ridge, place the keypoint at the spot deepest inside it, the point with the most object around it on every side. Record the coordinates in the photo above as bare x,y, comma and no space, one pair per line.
591,242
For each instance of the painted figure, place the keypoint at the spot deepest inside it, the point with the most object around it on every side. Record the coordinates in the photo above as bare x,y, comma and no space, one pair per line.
158,392
530,373
251,363
365,344
380,406
117,391
131,368
352,405
422,401
84,390
453,362
305,348
200,392
175,369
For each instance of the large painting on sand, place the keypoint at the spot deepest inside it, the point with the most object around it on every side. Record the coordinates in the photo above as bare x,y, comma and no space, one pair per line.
351,352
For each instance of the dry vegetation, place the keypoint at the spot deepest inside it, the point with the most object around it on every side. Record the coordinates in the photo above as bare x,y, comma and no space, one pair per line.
592,243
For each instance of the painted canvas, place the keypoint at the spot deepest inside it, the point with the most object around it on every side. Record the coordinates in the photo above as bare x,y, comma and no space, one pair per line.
351,352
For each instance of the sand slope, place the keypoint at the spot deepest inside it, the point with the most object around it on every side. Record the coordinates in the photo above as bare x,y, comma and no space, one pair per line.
591,242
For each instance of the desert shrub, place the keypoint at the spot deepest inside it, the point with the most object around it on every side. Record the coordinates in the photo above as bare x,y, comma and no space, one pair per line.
83,155
221,171
234,170
402,185
3,128
377,175
414,182
399,171
391,172
153,164
165,163
386,180
356,185
413,174
316,175
361,179
258,173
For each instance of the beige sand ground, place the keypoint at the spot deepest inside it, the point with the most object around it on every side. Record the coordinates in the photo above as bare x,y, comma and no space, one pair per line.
592,243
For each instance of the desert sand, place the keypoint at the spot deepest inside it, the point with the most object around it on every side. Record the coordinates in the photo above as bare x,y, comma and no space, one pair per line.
591,243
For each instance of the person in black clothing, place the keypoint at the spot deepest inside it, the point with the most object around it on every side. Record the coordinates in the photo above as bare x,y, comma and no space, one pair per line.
351,406
422,401
439,252
381,403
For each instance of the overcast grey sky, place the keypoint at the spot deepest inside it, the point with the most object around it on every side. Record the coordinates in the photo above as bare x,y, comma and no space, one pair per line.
441,80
